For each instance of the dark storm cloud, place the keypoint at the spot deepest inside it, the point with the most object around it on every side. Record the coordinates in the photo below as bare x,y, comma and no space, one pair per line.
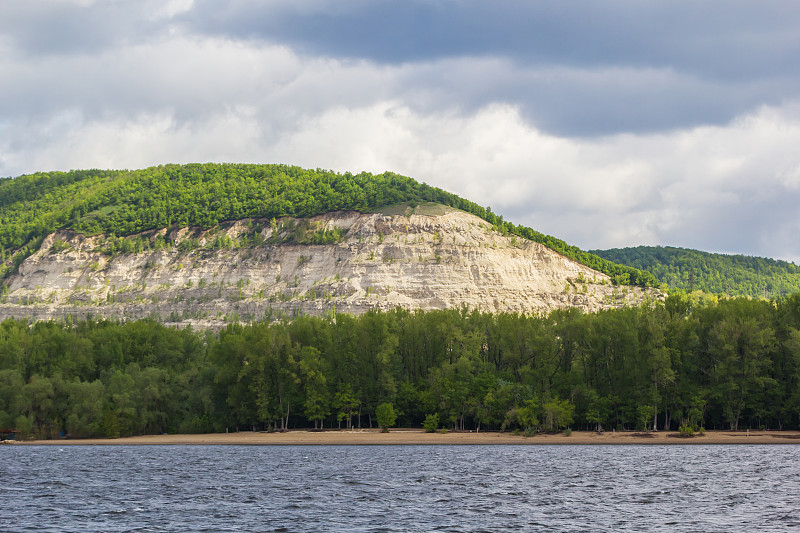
709,61
578,68
593,101
728,40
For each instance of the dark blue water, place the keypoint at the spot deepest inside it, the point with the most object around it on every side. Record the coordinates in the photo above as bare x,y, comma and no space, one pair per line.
400,488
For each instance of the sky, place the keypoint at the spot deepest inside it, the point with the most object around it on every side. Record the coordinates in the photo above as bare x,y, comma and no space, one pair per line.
606,123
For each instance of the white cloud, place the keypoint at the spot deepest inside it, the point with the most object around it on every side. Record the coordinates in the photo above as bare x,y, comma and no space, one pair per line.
180,98
172,8
697,187
145,140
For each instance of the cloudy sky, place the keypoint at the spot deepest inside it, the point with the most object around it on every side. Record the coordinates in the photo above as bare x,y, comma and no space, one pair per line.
606,123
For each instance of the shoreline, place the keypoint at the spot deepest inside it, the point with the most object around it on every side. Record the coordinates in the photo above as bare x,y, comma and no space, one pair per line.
301,437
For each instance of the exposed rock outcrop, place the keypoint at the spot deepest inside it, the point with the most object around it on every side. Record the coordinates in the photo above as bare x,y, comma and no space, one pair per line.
252,269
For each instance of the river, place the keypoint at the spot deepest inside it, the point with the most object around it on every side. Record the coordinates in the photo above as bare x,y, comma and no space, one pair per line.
400,488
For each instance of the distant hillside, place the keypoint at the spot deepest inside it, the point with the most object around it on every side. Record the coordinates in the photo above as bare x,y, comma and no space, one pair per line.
734,275
124,202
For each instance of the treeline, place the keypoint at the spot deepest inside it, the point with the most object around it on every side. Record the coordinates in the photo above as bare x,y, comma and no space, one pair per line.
676,364
690,270
121,203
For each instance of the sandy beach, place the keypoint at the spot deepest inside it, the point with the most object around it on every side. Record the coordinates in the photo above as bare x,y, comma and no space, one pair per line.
418,437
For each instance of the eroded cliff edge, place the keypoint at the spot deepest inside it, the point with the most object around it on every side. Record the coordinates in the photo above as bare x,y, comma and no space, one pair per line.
254,269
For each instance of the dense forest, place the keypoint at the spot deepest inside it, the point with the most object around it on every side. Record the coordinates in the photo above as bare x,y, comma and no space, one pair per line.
122,202
677,364
732,275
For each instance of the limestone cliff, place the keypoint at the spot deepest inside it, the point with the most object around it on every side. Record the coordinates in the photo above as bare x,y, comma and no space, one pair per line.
252,269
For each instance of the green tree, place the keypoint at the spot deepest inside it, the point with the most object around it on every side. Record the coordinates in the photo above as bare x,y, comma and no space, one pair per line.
431,423
644,414
557,414
386,416
86,405
317,401
345,403
24,427
739,352
526,415
38,397
593,409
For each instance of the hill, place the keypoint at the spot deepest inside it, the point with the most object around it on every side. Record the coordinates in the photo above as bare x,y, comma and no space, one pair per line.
733,275
126,202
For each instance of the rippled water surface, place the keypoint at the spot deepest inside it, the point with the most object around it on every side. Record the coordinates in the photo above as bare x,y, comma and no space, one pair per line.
400,488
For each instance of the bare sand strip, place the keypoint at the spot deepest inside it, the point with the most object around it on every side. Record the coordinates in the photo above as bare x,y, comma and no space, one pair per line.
418,437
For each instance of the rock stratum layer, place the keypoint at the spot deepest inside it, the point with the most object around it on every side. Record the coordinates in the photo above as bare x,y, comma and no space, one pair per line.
255,269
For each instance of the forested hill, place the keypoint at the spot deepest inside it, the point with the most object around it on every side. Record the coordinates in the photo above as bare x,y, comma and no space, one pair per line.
125,202
734,275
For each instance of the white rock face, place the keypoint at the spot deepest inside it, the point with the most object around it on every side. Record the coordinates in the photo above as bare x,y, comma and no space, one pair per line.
451,260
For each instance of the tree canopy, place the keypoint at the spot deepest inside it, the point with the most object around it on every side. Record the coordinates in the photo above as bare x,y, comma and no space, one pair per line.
732,275
677,364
